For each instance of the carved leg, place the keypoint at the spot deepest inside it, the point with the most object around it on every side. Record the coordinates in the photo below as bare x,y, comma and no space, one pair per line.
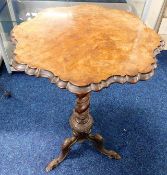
64,152
98,140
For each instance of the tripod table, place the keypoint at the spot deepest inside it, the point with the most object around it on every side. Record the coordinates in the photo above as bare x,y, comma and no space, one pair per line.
85,48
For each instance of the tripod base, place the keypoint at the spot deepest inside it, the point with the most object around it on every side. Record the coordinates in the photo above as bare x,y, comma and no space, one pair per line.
96,139
81,123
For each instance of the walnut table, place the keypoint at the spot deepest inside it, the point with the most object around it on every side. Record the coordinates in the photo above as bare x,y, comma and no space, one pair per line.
85,48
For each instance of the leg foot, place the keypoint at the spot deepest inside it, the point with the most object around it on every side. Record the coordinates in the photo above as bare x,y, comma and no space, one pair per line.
98,140
64,152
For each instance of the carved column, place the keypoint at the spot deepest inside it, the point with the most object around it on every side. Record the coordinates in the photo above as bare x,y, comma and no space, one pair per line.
81,121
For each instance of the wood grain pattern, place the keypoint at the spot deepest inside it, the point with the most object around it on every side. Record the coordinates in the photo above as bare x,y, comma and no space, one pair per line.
86,44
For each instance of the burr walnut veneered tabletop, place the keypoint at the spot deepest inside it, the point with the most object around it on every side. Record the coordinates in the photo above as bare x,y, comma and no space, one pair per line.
85,48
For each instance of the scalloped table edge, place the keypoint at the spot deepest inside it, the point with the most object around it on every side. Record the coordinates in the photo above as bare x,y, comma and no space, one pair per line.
93,86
